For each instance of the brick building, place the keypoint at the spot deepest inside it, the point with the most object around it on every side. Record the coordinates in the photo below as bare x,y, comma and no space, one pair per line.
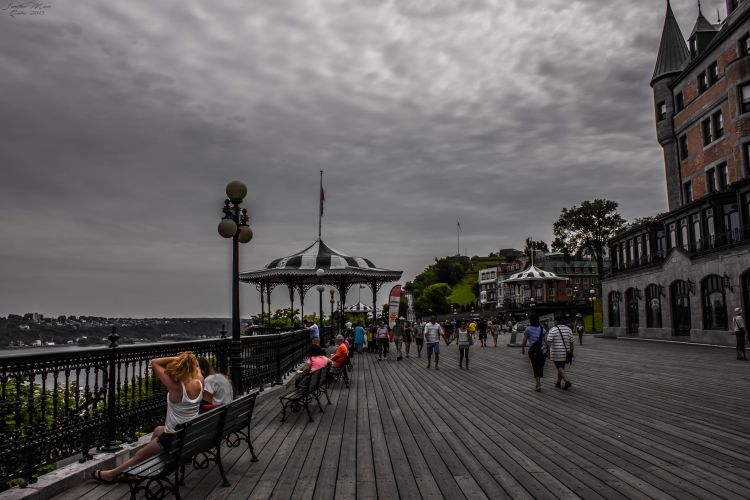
682,273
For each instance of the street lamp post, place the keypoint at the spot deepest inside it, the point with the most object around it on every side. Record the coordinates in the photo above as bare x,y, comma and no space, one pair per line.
234,225
331,320
592,298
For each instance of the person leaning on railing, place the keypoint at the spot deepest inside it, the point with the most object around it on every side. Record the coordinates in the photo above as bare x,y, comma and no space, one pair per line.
182,377
217,389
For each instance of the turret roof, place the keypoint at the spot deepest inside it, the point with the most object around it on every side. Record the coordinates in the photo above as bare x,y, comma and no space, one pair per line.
673,51
702,25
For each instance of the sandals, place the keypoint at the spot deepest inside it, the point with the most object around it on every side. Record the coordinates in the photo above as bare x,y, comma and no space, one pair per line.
97,476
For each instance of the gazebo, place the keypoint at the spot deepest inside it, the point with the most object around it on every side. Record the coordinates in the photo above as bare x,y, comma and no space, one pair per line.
298,272
537,282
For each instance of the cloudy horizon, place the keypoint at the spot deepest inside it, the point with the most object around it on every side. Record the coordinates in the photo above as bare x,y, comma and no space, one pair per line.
123,122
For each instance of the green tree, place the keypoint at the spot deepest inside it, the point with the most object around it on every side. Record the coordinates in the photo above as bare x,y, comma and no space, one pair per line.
436,296
585,229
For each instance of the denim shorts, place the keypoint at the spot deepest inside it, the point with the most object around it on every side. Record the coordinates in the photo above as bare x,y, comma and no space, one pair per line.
433,347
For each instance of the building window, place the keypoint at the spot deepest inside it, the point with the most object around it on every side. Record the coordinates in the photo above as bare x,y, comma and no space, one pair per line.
685,234
647,245
638,247
697,230
711,184
731,222
614,308
746,147
743,45
710,227
687,190
713,73
702,82
661,111
672,235
745,98
653,306
684,139
660,243
714,303
679,100
723,175
718,123
708,138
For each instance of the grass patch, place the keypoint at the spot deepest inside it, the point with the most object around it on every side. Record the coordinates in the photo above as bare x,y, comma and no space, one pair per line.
462,295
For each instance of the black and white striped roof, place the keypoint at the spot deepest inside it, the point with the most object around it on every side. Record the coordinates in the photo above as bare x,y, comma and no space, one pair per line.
337,266
320,256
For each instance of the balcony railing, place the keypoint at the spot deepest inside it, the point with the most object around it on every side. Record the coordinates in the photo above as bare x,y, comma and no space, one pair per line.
55,405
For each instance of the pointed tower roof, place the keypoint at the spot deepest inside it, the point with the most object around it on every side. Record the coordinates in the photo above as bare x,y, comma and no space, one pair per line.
673,51
702,25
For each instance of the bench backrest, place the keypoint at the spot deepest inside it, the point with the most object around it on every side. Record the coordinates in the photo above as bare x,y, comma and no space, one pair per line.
239,414
315,378
201,433
325,375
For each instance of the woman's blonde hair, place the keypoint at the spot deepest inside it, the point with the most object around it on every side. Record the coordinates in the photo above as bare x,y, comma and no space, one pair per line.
183,367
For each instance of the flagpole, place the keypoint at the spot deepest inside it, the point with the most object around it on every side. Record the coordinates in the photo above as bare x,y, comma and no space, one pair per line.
458,239
320,205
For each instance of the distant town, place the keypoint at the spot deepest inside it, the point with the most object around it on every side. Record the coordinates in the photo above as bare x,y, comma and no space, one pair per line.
37,330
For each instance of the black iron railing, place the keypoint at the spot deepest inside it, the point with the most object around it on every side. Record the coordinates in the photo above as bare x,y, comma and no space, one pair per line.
56,405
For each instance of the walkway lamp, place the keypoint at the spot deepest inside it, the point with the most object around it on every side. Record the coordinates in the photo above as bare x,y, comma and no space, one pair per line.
319,273
592,298
331,319
233,225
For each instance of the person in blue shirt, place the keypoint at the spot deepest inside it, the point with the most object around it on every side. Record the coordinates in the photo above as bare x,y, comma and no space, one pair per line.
359,337
534,337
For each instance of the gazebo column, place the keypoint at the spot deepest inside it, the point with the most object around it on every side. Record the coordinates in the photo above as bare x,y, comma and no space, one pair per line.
291,300
302,288
260,287
269,288
375,287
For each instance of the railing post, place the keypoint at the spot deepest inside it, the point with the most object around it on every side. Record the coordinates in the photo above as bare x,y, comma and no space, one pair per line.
235,357
224,351
278,359
112,445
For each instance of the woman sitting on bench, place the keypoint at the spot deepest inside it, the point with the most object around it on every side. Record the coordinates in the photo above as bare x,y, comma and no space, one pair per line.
316,361
182,378
217,389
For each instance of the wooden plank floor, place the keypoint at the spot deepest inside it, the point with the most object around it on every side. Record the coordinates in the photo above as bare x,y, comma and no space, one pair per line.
642,420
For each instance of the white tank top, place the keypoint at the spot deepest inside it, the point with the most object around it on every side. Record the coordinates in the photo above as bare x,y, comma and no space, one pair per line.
183,411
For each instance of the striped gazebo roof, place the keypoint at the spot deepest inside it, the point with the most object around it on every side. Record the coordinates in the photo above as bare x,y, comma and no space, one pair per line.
533,273
336,265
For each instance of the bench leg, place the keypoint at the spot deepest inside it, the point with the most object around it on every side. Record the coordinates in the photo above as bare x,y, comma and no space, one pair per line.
224,481
307,409
317,398
325,391
283,412
250,445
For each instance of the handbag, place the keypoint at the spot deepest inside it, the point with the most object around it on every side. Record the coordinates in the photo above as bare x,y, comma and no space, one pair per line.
568,353
471,339
536,347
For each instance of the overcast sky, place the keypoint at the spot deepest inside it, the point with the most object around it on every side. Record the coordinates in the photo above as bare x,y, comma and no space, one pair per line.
122,122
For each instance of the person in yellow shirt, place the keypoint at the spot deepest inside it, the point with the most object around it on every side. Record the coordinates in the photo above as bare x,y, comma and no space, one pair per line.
472,328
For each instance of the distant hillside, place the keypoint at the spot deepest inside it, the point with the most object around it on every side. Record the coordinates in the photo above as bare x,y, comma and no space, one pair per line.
127,329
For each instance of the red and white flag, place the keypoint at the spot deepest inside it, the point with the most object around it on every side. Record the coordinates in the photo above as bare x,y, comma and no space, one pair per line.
322,200
394,300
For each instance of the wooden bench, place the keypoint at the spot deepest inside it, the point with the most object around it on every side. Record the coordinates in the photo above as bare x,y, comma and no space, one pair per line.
338,373
301,396
197,441
325,379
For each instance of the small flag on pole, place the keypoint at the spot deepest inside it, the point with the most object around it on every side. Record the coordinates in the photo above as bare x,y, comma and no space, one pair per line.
322,200
458,224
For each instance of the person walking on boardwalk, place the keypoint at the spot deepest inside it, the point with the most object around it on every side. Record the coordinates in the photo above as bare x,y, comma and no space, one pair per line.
419,336
739,332
371,342
407,337
359,337
432,333
482,332
463,339
579,328
398,338
560,342
181,375
447,333
495,331
381,336
533,336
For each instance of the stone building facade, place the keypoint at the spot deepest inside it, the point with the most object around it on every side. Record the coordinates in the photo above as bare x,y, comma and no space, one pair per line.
681,274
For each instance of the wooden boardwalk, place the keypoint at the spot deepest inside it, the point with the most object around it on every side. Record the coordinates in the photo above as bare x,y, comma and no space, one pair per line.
642,420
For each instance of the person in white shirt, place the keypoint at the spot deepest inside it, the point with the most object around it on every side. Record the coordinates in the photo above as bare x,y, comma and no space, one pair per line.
217,389
560,342
432,333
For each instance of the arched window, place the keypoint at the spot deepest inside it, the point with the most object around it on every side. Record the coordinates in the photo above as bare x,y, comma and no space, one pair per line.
714,303
631,309
653,306
614,308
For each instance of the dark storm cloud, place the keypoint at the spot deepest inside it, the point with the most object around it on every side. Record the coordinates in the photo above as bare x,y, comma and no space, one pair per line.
122,122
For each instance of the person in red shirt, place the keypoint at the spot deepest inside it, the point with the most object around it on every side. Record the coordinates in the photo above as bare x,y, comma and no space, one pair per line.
339,357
